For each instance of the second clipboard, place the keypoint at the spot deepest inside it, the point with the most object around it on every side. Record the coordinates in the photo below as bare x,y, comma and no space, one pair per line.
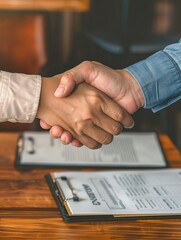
128,150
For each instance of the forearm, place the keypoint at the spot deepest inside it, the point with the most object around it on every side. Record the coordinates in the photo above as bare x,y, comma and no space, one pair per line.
160,77
19,97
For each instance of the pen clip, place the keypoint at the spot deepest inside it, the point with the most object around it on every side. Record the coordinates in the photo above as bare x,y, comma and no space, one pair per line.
74,197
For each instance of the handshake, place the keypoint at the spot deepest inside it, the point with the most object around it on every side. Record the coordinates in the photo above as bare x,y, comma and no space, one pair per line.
89,104
94,102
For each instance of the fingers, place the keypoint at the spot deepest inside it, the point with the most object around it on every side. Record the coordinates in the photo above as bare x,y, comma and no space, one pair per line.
107,125
91,139
65,136
56,131
120,115
98,134
44,125
89,142
76,143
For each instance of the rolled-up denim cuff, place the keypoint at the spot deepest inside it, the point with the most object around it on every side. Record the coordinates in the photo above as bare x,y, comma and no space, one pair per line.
160,79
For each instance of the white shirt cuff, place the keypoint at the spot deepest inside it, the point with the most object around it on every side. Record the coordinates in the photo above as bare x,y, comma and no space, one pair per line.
19,97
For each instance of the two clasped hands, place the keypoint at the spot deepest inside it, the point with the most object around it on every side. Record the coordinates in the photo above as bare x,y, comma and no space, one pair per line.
91,104
94,102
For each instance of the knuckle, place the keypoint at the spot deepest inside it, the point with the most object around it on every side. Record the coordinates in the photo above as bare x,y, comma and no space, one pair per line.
67,76
116,129
80,128
95,101
120,115
90,142
87,65
91,69
82,125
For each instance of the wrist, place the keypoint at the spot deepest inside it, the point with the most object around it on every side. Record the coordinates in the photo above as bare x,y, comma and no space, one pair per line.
133,91
42,102
136,89
49,105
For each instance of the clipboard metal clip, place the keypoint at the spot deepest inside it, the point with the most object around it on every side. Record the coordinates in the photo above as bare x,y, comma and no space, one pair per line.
74,197
32,142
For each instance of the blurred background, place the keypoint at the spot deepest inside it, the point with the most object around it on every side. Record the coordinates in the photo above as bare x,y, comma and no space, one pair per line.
50,36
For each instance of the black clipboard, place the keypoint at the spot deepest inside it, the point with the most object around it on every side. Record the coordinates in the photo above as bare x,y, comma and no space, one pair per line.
64,214
91,218
31,138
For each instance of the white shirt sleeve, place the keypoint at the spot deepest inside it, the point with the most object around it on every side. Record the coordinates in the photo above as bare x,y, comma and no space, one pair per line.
19,97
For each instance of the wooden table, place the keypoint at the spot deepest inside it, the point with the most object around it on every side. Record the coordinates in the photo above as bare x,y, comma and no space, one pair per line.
28,211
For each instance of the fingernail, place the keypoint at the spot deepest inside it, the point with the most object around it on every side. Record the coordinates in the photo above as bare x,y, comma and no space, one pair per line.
64,139
130,126
55,133
59,91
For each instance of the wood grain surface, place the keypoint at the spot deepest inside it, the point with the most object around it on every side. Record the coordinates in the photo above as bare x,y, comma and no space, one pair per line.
28,210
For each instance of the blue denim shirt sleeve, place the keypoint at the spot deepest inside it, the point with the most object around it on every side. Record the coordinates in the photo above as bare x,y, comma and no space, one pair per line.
160,77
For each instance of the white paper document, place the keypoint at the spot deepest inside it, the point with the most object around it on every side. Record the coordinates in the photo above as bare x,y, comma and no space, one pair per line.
126,150
121,193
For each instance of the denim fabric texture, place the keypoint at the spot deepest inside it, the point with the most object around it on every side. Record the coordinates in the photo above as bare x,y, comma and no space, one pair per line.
160,77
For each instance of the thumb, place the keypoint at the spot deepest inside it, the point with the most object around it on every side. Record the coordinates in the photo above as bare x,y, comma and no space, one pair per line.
74,76
66,86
